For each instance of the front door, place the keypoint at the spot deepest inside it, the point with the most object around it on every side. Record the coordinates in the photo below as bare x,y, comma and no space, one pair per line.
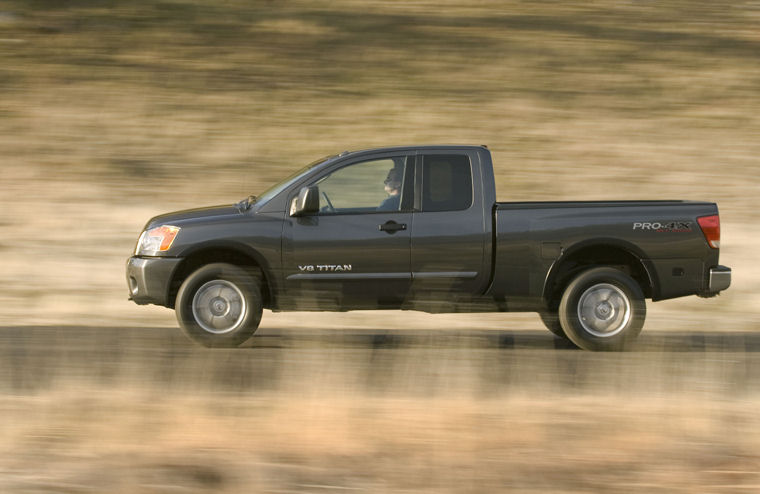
355,252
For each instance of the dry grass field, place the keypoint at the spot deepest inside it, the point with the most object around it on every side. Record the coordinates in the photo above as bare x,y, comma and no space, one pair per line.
112,114
377,445
142,410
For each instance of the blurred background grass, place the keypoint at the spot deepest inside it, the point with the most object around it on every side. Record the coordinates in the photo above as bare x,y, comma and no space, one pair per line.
651,98
112,112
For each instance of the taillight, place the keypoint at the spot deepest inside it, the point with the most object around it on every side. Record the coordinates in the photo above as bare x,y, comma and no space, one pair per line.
710,226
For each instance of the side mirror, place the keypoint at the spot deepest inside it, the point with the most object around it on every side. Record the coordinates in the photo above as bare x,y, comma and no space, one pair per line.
307,202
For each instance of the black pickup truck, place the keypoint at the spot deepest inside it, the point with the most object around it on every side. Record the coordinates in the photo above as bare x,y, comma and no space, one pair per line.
419,228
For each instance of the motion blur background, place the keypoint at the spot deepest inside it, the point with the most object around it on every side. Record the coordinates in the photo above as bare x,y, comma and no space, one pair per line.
112,114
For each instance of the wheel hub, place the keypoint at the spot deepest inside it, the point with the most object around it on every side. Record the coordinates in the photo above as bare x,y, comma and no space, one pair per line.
604,310
219,307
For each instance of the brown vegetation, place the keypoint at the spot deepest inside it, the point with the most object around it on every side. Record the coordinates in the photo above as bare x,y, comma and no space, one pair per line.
109,115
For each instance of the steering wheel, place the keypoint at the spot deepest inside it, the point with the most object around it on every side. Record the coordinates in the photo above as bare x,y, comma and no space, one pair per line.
329,207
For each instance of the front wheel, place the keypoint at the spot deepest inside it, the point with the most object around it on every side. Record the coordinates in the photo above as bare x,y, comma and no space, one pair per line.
219,305
602,309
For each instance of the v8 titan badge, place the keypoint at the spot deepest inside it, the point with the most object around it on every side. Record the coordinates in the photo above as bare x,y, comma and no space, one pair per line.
310,268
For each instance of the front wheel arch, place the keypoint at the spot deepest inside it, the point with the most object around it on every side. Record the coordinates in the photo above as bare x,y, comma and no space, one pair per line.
227,254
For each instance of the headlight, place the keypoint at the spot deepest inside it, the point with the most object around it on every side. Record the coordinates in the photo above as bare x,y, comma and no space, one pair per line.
157,239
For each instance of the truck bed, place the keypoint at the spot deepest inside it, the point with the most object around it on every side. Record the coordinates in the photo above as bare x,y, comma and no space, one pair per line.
531,238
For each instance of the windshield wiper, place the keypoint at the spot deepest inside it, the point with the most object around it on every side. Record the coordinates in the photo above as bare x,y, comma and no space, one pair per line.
246,203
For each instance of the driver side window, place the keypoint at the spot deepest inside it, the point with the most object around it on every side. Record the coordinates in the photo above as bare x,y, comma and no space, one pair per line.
369,186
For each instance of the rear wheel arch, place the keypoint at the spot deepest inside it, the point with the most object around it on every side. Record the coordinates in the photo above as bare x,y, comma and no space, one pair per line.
220,254
599,254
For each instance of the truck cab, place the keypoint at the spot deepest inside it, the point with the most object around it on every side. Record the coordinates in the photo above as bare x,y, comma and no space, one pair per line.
343,249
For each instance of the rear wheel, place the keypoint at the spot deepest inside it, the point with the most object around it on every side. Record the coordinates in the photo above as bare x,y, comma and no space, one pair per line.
602,309
219,305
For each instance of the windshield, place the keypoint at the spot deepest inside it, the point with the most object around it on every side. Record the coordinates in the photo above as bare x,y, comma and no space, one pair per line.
285,183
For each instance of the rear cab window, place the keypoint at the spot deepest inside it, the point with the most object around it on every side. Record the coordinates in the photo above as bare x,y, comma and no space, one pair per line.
446,182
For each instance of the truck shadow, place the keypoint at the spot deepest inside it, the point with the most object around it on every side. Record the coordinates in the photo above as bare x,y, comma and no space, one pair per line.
416,362
671,341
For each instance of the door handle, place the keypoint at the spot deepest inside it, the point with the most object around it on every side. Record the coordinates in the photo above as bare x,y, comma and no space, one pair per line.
392,227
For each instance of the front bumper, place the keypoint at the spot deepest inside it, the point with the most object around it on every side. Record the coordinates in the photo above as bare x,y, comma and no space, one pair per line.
149,279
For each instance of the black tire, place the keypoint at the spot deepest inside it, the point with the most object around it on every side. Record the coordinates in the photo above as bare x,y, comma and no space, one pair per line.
602,309
219,305
551,321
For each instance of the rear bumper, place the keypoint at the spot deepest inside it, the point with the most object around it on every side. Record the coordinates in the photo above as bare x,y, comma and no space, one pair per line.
719,278
148,279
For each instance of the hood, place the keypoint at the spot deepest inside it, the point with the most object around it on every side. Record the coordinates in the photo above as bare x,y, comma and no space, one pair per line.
184,217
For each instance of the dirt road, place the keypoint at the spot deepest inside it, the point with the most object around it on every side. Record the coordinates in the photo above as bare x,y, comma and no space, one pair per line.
136,410
431,362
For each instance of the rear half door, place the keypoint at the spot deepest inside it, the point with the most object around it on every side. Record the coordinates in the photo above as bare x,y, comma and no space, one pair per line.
354,253
450,228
